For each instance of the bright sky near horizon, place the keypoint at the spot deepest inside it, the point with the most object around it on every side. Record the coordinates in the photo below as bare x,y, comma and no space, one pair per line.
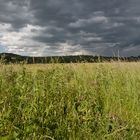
70,27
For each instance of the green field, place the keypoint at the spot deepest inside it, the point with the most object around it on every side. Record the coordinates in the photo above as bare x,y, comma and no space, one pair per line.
70,101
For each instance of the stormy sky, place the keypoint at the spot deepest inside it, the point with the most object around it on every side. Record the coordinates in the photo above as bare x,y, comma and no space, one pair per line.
70,27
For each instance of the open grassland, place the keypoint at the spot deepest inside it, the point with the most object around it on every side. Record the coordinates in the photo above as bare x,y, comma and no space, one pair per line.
70,101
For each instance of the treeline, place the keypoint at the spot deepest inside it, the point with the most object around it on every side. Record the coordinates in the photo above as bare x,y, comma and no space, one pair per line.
8,58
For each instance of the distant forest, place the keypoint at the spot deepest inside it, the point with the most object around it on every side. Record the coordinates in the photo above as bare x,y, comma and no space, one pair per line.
8,58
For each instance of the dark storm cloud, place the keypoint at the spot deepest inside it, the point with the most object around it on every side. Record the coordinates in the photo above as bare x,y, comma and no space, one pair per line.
75,26
15,12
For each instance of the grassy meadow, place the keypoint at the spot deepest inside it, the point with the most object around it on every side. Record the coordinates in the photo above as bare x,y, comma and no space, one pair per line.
70,101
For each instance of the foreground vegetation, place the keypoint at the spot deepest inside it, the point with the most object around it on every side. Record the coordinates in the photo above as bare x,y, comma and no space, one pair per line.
70,101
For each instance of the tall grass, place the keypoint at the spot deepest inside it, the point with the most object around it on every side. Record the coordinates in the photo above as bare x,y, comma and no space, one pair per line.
70,102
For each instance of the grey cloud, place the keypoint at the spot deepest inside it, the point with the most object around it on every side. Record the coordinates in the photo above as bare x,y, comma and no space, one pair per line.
92,26
15,13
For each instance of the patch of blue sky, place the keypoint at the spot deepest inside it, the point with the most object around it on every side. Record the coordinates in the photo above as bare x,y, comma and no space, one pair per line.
2,48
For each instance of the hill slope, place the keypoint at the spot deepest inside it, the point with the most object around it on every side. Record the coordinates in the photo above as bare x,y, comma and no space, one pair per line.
14,58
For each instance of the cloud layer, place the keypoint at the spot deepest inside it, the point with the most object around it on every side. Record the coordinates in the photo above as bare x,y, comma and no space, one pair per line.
62,27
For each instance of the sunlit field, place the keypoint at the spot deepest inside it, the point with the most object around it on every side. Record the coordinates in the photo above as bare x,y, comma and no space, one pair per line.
70,101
